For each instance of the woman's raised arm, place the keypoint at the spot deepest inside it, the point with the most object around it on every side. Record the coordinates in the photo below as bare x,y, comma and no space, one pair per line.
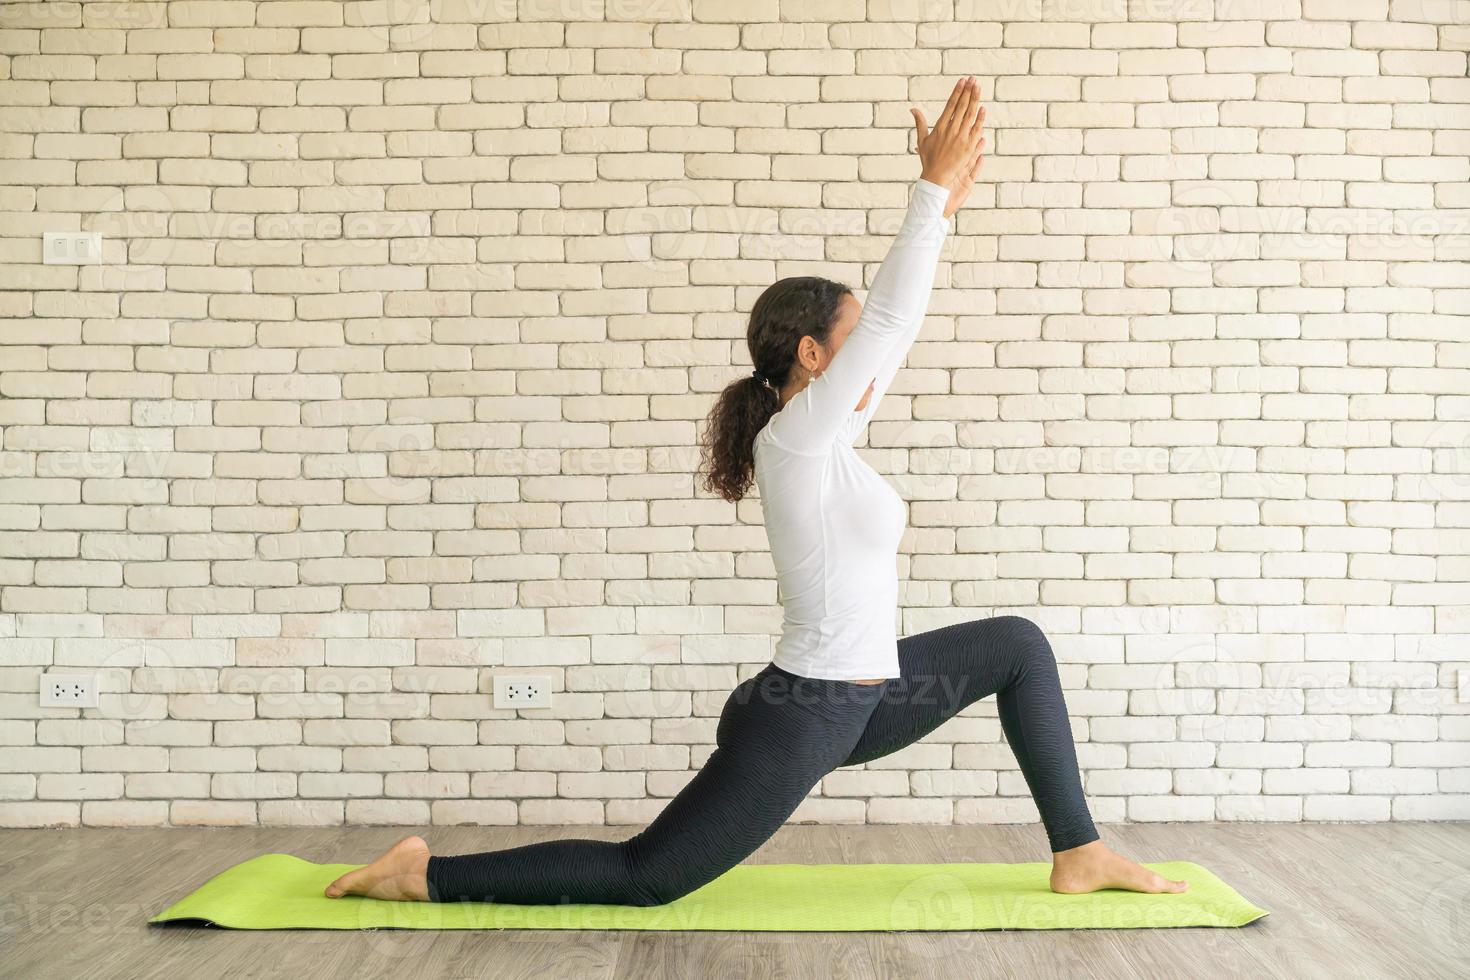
816,416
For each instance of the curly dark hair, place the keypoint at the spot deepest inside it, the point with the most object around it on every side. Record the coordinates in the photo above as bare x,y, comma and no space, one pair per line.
788,310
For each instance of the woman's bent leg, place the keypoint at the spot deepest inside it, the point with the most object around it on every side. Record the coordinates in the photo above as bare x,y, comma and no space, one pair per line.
775,739
945,670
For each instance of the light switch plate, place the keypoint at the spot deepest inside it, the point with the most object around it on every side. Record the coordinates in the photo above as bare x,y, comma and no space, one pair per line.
71,247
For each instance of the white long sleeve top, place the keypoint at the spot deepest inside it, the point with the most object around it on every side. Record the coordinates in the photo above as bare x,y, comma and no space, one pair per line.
834,524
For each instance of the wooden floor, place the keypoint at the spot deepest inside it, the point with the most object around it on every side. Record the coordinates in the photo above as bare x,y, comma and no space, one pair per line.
1346,900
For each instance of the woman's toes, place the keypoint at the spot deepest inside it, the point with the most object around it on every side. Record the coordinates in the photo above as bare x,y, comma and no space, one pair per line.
1156,882
343,885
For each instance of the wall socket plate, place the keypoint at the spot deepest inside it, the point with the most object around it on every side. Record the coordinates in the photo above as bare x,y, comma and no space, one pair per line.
522,691
68,690
71,247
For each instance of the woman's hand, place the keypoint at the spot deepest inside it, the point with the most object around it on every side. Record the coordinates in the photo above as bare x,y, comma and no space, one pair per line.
951,154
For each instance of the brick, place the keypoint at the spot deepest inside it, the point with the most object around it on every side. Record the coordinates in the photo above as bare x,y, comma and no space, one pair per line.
17,786
339,784
512,784
426,785
300,813
124,813
413,812
216,813
561,812
896,810
167,785
79,786
448,813
41,813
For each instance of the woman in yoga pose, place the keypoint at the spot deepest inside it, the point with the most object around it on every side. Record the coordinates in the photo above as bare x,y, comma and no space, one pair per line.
841,689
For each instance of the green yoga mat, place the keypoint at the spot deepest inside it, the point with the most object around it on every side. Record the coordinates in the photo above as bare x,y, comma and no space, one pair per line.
279,891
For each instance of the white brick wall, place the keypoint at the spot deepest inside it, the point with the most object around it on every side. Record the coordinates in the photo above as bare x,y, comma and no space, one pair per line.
411,313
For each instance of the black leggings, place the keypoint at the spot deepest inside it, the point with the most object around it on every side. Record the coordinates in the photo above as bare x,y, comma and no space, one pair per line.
777,736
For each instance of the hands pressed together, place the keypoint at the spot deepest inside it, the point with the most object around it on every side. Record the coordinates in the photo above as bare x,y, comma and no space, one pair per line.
951,153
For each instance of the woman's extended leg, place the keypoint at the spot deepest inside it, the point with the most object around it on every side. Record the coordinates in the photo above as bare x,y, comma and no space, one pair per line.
777,736
945,670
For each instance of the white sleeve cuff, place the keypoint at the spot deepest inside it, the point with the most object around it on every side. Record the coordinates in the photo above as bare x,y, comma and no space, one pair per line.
929,187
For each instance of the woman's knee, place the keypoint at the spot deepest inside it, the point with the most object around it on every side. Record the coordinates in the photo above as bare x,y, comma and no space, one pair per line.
649,899
651,885
646,883
1028,641
661,893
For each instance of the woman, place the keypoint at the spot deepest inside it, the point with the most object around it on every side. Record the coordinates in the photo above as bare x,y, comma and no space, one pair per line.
840,690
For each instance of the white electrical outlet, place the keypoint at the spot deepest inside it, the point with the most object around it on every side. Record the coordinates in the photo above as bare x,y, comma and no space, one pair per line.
68,691
522,691
71,247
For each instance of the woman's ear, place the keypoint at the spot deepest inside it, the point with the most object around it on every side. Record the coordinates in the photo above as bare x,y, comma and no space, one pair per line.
808,354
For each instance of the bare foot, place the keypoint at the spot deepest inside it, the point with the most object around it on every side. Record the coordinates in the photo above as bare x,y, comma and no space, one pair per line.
400,875
1093,866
